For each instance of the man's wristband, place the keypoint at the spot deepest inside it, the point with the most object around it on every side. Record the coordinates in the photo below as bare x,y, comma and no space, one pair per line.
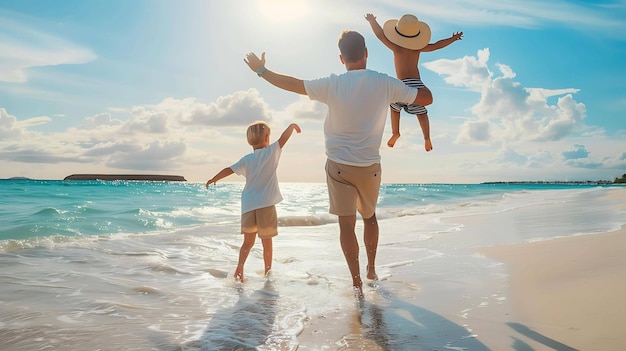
260,71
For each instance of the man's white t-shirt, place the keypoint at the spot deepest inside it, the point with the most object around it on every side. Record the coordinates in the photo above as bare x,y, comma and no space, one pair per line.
358,101
259,168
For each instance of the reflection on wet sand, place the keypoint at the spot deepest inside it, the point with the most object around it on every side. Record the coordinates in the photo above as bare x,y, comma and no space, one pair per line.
384,322
247,325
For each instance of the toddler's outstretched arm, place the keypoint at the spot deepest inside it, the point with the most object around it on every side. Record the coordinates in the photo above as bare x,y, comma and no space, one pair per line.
220,175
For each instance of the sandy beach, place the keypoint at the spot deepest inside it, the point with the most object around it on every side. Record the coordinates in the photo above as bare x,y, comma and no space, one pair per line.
568,294
475,268
558,294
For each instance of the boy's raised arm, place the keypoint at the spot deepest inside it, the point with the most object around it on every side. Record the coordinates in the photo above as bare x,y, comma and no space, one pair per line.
378,31
287,134
282,81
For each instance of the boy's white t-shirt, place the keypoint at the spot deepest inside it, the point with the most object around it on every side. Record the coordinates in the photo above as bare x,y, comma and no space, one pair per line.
358,101
259,168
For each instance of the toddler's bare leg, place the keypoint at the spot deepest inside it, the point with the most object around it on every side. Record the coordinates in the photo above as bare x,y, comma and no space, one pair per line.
395,127
267,254
248,242
425,125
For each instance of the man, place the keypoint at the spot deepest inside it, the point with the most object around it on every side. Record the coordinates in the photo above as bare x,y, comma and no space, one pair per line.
357,109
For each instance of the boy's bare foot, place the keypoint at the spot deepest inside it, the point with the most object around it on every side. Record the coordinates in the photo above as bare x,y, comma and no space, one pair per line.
392,140
239,274
428,145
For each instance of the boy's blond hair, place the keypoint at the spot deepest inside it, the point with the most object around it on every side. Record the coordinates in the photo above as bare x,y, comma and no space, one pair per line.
257,131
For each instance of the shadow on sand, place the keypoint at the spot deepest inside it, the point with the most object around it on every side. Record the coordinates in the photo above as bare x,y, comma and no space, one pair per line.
245,326
388,323
519,345
393,324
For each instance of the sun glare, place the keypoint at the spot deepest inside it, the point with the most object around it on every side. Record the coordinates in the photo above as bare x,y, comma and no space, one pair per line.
282,10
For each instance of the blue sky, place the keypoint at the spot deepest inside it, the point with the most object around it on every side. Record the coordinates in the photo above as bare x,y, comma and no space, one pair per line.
534,91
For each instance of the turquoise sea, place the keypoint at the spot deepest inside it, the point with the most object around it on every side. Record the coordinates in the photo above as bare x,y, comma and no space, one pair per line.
31,210
128,265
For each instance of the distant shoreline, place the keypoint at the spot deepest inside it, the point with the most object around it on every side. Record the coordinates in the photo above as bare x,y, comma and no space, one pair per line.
140,177
576,182
177,178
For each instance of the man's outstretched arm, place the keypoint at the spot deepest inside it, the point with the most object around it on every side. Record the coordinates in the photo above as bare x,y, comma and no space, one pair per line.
282,81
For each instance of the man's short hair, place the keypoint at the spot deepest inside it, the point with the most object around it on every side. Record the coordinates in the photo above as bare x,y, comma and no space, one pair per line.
351,46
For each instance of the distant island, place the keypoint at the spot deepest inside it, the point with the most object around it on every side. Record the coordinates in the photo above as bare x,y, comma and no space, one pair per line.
140,177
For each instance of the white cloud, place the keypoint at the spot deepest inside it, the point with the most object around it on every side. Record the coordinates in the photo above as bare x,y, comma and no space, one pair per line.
306,109
33,121
565,118
8,127
23,47
102,140
146,121
470,71
508,112
99,120
239,108
541,94
473,131
507,72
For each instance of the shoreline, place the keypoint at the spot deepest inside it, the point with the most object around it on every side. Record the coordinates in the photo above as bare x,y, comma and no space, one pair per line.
563,293
567,293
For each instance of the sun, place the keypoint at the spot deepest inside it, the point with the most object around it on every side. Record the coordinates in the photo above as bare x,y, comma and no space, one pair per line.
283,10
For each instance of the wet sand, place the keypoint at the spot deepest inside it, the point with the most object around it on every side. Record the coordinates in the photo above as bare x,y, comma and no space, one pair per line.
559,294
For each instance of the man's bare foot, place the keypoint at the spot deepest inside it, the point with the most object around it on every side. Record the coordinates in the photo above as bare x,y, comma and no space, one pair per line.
371,274
392,140
358,292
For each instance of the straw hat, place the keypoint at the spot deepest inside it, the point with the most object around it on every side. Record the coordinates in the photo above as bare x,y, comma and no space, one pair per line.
407,32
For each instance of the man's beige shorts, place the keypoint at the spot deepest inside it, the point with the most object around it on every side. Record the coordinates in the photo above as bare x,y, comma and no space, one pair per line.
352,188
262,221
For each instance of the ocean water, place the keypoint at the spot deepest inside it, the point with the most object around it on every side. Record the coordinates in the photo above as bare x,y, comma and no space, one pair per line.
93,265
